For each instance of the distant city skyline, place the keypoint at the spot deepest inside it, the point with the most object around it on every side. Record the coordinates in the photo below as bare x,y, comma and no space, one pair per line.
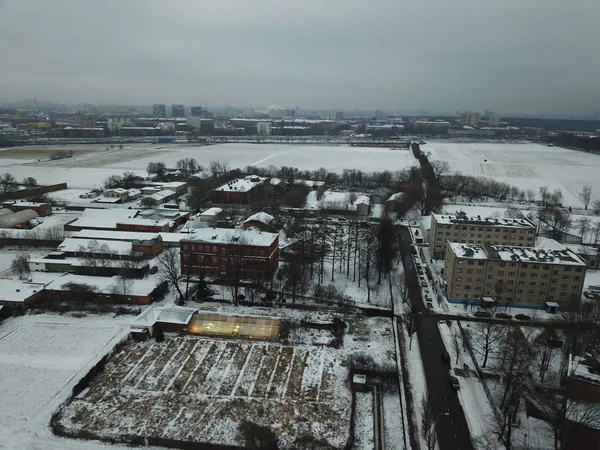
513,57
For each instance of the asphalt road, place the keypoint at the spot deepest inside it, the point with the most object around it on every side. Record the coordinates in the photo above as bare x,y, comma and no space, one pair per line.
452,430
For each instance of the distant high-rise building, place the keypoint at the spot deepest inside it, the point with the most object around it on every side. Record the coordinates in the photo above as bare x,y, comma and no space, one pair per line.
469,118
196,111
177,111
87,121
339,115
494,121
159,110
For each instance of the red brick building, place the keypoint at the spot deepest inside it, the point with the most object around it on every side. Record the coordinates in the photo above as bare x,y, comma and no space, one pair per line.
42,209
239,191
222,252
143,225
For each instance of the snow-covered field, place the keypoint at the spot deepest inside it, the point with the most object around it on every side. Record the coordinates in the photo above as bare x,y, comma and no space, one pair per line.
525,165
41,358
200,389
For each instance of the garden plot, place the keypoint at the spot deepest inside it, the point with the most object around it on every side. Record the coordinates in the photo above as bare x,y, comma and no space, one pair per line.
199,389
41,357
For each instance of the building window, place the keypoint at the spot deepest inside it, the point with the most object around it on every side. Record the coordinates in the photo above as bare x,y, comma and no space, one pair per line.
502,264
542,284
459,270
552,289
524,266
479,280
555,272
510,282
458,279
534,275
501,272
468,287
532,283
490,276
565,277
563,294
479,270
544,275
521,283
470,263
531,292
563,286
546,267
535,266
576,278
567,269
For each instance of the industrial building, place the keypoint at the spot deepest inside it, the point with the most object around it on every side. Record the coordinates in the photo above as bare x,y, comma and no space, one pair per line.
238,191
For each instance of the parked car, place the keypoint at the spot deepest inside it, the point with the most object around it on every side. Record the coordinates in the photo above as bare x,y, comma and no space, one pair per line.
428,298
341,219
446,357
522,317
429,305
454,384
503,316
482,314
423,283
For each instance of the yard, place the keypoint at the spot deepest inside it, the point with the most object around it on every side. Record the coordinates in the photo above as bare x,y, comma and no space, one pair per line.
196,389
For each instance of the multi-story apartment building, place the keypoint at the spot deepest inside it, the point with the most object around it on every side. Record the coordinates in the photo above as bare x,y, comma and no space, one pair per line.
518,276
478,230
177,111
222,252
239,191
159,110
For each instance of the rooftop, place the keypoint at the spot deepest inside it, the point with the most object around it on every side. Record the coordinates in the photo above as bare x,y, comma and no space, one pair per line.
103,218
241,184
97,246
114,235
262,217
515,254
212,211
144,222
106,285
162,194
165,314
229,236
17,291
463,219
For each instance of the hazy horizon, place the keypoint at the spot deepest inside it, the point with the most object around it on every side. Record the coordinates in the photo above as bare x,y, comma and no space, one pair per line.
511,57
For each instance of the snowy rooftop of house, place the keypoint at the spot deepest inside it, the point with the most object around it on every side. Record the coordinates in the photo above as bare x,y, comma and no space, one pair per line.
229,236
586,368
241,184
117,190
114,235
162,194
275,181
579,249
28,204
108,200
463,219
166,314
72,245
212,211
395,197
106,285
362,199
144,222
192,225
515,254
262,217
103,218
14,290
173,185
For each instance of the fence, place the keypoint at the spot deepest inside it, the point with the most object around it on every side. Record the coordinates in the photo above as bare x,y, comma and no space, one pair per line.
486,389
39,190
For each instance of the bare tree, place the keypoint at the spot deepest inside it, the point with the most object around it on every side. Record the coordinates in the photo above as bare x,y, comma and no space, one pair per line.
219,167
122,286
485,336
596,233
8,183
544,195
113,181
556,219
596,206
20,266
401,286
296,275
169,267
82,291
530,195
428,419
583,225
456,344
586,195
29,182
236,264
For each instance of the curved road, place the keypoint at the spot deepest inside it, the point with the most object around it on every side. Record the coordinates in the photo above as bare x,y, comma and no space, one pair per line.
452,430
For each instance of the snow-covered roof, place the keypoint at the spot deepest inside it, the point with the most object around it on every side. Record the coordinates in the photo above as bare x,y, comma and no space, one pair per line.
275,181
114,235
117,191
395,197
106,285
108,200
362,199
262,217
483,221
241,184
103,218
166,314
162,194
214,211
515,254
228,236
72,245
17,291
144,222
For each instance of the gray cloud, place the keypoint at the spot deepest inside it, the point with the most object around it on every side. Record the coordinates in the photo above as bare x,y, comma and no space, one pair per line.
508,55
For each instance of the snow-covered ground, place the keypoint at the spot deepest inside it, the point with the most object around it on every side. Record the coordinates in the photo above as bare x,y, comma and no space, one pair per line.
525,165
41,358
216,383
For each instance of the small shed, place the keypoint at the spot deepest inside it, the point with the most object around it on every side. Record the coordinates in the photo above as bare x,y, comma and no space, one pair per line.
14,219
380,195
488,302
551,307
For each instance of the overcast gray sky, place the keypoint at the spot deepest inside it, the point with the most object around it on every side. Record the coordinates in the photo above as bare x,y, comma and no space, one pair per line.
506,55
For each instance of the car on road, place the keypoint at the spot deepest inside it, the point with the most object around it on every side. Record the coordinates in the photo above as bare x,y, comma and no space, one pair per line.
446,357
341,219
454,384
482,314
429,305
428,298
522,317
503,316
423,283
